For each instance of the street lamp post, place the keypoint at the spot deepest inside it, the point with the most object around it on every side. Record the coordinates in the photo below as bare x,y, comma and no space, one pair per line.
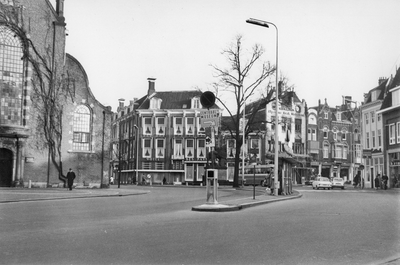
266,24
137,153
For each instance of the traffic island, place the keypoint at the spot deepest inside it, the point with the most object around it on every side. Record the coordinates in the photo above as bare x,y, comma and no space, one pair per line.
218,207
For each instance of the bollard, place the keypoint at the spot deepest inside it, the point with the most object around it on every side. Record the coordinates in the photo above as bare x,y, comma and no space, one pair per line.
30,184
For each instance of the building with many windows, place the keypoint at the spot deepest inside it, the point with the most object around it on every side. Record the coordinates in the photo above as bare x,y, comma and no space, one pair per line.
372,132
390,111
334,139
46,101
161,136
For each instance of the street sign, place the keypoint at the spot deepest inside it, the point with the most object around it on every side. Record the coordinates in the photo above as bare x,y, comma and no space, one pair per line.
210,118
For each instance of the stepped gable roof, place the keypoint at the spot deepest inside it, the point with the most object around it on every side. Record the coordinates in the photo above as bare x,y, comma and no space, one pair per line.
172,99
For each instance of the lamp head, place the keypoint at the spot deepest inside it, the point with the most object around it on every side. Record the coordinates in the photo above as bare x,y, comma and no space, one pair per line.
257,22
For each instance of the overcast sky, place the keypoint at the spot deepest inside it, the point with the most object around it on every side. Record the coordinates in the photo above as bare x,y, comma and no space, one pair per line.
327,49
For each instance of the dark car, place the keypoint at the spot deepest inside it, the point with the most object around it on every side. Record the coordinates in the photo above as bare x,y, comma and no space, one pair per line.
309,181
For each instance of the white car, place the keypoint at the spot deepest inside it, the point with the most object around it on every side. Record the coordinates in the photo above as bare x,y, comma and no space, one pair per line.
322,182
338,183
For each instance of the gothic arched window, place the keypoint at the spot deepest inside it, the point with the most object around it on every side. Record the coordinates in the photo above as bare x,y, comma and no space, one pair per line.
82,129
11,77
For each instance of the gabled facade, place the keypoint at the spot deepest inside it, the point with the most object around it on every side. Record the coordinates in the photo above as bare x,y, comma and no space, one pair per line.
335,139
390,111
372,132
171,143
259,144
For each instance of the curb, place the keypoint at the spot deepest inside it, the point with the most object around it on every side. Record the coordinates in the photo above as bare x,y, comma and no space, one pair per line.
236,207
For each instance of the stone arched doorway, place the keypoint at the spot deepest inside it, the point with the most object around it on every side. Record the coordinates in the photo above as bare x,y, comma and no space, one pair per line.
6,167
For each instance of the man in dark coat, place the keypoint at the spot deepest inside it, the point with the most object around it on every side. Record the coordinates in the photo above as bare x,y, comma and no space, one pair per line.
70,178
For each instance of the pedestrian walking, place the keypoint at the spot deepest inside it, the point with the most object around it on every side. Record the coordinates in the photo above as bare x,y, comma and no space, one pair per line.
357,179
385,180
150,180
70,178
377,181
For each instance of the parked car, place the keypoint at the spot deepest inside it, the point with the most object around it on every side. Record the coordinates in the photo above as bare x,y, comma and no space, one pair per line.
309,181
322,182
338,183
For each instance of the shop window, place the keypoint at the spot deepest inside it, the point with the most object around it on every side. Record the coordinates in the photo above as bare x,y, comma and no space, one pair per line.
392,134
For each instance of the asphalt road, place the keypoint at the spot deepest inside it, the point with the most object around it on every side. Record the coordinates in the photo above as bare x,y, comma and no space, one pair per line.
322,227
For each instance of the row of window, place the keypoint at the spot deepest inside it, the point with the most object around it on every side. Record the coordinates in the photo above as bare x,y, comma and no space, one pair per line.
339,151
394,133
180,125
336,134
371,117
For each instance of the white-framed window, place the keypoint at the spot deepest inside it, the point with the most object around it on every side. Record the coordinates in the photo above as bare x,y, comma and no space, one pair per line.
338,151
147,125
335,133
366,118
309,134
160,148
367,140
147,147
325,115
358,151
254,143
372,117
178,125
160,125
325,150
190,125
313,134
345,151
196,103
379,138
231,148
189,150
326,130
373,139
379,117
178,149
398,132
201,148
344,132
200,129
392,134
155,103
81,129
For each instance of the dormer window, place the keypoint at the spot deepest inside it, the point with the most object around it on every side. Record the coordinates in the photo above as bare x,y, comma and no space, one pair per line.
196,103
155,103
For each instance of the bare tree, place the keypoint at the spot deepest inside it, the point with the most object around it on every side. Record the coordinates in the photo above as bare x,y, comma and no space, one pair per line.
51,83
236,80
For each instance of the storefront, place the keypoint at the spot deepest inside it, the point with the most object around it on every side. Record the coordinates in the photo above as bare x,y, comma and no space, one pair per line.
394,170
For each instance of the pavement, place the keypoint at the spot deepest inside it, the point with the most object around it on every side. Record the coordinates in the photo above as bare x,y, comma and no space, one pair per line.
229,199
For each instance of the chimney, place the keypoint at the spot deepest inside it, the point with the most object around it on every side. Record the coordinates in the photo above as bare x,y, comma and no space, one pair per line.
60,8
381,80
152,88
121,104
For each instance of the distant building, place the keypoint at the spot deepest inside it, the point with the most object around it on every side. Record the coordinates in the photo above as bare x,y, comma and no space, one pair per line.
169,142
334,139
372,132
390,111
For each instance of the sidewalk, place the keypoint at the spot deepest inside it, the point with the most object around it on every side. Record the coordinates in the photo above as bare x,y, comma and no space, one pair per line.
9,195
229,199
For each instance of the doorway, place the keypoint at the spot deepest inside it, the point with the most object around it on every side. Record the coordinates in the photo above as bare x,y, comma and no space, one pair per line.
6,167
